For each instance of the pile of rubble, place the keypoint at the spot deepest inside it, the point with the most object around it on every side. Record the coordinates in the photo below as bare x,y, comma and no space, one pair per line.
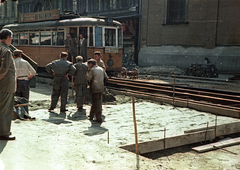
202,70
128,63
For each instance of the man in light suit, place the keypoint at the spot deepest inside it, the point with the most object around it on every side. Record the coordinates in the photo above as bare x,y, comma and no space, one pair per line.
7,84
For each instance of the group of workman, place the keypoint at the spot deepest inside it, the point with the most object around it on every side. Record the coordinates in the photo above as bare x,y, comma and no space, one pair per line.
16,72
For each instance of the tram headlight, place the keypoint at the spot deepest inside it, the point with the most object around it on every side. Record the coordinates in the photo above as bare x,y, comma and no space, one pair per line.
110,63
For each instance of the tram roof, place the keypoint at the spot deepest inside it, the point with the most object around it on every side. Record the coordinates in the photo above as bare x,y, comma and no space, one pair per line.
61,23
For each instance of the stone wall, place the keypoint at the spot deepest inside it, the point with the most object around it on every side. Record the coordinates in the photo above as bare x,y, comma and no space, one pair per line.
226,59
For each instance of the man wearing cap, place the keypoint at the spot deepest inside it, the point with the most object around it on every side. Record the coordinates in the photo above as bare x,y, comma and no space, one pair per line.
80,82
96,76
97,57
24,72
60,70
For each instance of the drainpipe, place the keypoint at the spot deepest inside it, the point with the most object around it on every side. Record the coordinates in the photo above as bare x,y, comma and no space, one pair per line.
217,23
139,23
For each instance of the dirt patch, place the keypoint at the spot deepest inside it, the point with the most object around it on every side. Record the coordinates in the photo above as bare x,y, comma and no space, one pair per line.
69,140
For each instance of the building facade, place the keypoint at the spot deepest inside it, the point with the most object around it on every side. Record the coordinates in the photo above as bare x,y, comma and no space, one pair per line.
181,32
8,13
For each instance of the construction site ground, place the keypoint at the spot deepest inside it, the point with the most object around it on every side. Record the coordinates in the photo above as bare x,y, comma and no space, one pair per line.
69,141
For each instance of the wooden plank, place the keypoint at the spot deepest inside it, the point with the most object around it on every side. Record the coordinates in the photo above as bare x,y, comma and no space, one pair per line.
185,139
170,142
198,129
224,129
217,145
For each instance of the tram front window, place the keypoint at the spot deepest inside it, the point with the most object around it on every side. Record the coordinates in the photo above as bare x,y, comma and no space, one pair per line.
110,37
45,38
58,38
98,37
120,40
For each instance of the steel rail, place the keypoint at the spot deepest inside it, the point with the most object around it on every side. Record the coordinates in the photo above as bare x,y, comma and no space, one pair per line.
213,96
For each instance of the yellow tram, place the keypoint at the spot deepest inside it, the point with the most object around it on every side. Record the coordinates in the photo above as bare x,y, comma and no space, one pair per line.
43,41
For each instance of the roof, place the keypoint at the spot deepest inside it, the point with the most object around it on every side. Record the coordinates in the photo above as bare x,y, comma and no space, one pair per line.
61,23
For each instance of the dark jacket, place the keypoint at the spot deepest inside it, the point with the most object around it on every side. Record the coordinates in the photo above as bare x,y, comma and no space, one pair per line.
81,73
60,67
71,46
83,49
7,70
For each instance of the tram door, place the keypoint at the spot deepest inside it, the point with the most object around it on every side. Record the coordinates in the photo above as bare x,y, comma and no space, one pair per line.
83,30
73,31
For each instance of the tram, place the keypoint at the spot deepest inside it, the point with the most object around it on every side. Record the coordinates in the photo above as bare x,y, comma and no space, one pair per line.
43,41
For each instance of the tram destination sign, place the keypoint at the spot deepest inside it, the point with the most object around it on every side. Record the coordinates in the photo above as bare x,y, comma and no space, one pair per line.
39,16
111,50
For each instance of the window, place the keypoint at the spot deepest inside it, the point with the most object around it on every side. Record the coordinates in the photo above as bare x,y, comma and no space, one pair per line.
13,8
106,4
176,11
98,37
15,39
91,5
6,10
23,38
120,36
110,37
45,38
58,38
81,6
91,36
34,38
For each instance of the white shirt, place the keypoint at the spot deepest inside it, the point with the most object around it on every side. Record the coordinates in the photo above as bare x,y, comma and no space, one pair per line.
23,69
81,40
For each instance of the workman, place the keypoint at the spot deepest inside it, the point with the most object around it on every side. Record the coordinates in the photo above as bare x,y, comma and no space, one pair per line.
97,78
80,82
24,72
60,69
7,84
71,47
97,57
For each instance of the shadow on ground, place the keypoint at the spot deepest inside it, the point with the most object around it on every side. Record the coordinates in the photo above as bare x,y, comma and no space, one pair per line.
77,115
57,119
167,152
3,143
95,129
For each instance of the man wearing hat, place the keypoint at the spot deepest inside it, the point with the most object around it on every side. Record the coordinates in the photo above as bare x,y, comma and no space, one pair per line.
96,76
24,72
97,57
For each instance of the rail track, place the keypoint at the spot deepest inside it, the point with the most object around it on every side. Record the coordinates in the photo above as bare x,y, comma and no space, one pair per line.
226,99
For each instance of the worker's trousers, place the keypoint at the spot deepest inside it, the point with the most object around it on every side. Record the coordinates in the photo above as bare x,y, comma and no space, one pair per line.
6,112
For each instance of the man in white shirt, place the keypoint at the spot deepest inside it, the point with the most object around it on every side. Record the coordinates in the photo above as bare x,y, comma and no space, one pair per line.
24,72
